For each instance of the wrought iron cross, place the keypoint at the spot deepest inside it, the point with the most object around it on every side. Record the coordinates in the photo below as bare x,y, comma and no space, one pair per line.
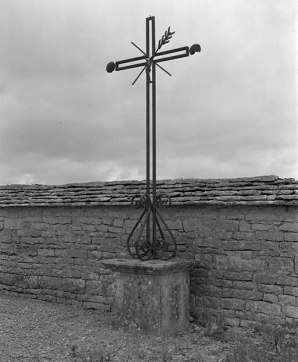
146,245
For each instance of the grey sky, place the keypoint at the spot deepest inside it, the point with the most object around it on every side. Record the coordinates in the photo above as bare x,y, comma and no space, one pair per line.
229,111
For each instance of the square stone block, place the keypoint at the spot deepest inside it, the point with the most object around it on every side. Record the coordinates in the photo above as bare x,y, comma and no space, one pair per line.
151,296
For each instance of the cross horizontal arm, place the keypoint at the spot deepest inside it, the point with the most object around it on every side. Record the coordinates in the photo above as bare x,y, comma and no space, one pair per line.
135,63
185,53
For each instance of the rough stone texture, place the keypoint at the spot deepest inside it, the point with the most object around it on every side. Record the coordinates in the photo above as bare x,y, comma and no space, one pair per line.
55,254
151,297
151,267
247,251
262,190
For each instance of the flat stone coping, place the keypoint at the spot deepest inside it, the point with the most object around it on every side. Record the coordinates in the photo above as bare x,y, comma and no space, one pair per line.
261,190
153,267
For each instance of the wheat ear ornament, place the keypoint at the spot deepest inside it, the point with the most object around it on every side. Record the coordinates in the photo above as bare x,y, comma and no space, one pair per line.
165,39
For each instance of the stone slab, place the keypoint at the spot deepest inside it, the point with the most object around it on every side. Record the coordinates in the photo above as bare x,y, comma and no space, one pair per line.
154,267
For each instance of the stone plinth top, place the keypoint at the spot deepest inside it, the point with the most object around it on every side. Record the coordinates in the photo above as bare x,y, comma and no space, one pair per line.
153,267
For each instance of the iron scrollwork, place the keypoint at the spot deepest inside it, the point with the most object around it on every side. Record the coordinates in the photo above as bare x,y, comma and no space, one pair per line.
163,200
139,244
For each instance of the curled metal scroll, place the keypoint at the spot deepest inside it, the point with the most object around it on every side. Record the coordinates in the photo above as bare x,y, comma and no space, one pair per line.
139,201
139,244
163,200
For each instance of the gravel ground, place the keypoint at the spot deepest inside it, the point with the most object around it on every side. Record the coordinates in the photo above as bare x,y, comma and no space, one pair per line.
34,330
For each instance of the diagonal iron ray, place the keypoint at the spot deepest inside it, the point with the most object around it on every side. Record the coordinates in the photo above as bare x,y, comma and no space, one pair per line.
159,66
138,48
139,75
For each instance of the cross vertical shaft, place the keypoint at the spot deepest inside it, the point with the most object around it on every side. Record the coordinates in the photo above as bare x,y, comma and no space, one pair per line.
148,128
153,85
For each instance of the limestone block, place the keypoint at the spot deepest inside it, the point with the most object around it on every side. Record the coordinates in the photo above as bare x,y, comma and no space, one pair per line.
6,279
292,312
291,237
98,299
98,306
287,280
118,223
191,225
244,226
76,253
234,322
227,225
107,255
71,273
117,214
264,307
95,254
265,288
88,220
241,294
270,298
20,281
265,279
50,220
89,228
107,221
291,227
46,252
175,225
13,223
93,287
261,227
6,249
73,285
151,297
33,282
115,230
49,282
212,302
262,216
287,299
41,226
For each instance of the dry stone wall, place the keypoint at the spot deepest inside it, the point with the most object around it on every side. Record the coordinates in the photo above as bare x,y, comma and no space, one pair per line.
247,250
54,253
247,257
248,265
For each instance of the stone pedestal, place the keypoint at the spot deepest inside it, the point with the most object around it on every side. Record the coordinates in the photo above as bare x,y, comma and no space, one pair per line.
150,296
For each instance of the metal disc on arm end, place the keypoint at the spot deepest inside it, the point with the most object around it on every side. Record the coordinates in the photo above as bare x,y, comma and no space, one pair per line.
111,67
194,48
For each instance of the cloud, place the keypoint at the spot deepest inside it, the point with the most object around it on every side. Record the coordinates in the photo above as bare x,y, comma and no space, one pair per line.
229,111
